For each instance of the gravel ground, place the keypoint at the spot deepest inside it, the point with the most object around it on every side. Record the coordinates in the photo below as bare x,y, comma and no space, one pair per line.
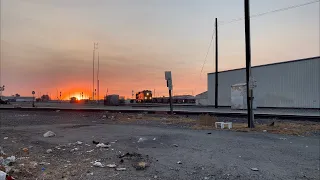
202,154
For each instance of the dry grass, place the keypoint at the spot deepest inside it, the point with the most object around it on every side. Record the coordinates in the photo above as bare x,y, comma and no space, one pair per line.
166,119
207,122
289,128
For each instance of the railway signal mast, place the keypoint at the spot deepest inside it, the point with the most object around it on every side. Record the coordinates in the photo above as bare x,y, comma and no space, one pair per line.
168,77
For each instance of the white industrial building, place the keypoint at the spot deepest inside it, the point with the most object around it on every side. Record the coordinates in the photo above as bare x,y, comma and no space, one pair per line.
291,84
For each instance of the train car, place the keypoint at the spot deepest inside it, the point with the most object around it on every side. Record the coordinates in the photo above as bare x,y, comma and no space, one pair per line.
144,96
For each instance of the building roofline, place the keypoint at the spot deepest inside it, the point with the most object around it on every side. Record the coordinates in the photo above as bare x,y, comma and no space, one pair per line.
291,61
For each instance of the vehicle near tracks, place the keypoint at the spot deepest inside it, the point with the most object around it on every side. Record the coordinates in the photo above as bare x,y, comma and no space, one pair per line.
4,101
186,99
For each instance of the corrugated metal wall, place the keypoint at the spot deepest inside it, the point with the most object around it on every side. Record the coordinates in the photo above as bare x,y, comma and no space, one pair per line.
293,84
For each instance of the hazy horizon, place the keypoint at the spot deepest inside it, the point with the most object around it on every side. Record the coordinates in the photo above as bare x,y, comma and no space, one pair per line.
46,46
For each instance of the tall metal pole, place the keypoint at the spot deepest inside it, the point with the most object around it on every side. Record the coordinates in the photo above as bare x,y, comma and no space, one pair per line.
170,99
248,61
98,83
216,74
94,47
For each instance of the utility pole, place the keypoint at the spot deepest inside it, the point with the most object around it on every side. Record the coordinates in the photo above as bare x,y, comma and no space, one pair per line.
98,83
95,46
216,75
248,62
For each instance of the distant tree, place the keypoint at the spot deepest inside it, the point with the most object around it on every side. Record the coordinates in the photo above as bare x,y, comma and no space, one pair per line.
45,97
17,95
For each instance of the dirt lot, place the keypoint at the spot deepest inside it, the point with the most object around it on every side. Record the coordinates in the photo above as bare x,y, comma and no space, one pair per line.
155,147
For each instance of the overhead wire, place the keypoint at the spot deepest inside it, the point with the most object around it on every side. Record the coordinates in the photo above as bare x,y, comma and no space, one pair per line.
273,11
205,59
253,16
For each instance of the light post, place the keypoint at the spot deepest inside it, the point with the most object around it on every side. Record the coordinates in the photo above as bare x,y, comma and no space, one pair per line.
33,93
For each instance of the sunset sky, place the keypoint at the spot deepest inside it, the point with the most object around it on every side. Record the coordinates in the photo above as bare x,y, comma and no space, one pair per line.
46,45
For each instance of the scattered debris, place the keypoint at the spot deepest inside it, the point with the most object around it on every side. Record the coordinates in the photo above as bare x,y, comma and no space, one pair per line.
49,134
121,169
10,177
10,160
209,133
79,142
142,139
264,131
175,145
44,163
111,165
26,150
49,151
3,175
155,176
95,142
57,110
307,146
102,145
140,165
154,139
206,178
179,162
283,138
272,124
2,168
121,161
104,116
254,169
5,138
98,164
74,149
130,155
139,116
90,151
33,164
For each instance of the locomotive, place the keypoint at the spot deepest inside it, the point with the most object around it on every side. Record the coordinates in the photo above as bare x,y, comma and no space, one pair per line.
144,96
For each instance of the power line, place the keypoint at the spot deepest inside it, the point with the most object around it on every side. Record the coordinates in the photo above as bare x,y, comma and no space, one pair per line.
205,59
253,16
273,11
